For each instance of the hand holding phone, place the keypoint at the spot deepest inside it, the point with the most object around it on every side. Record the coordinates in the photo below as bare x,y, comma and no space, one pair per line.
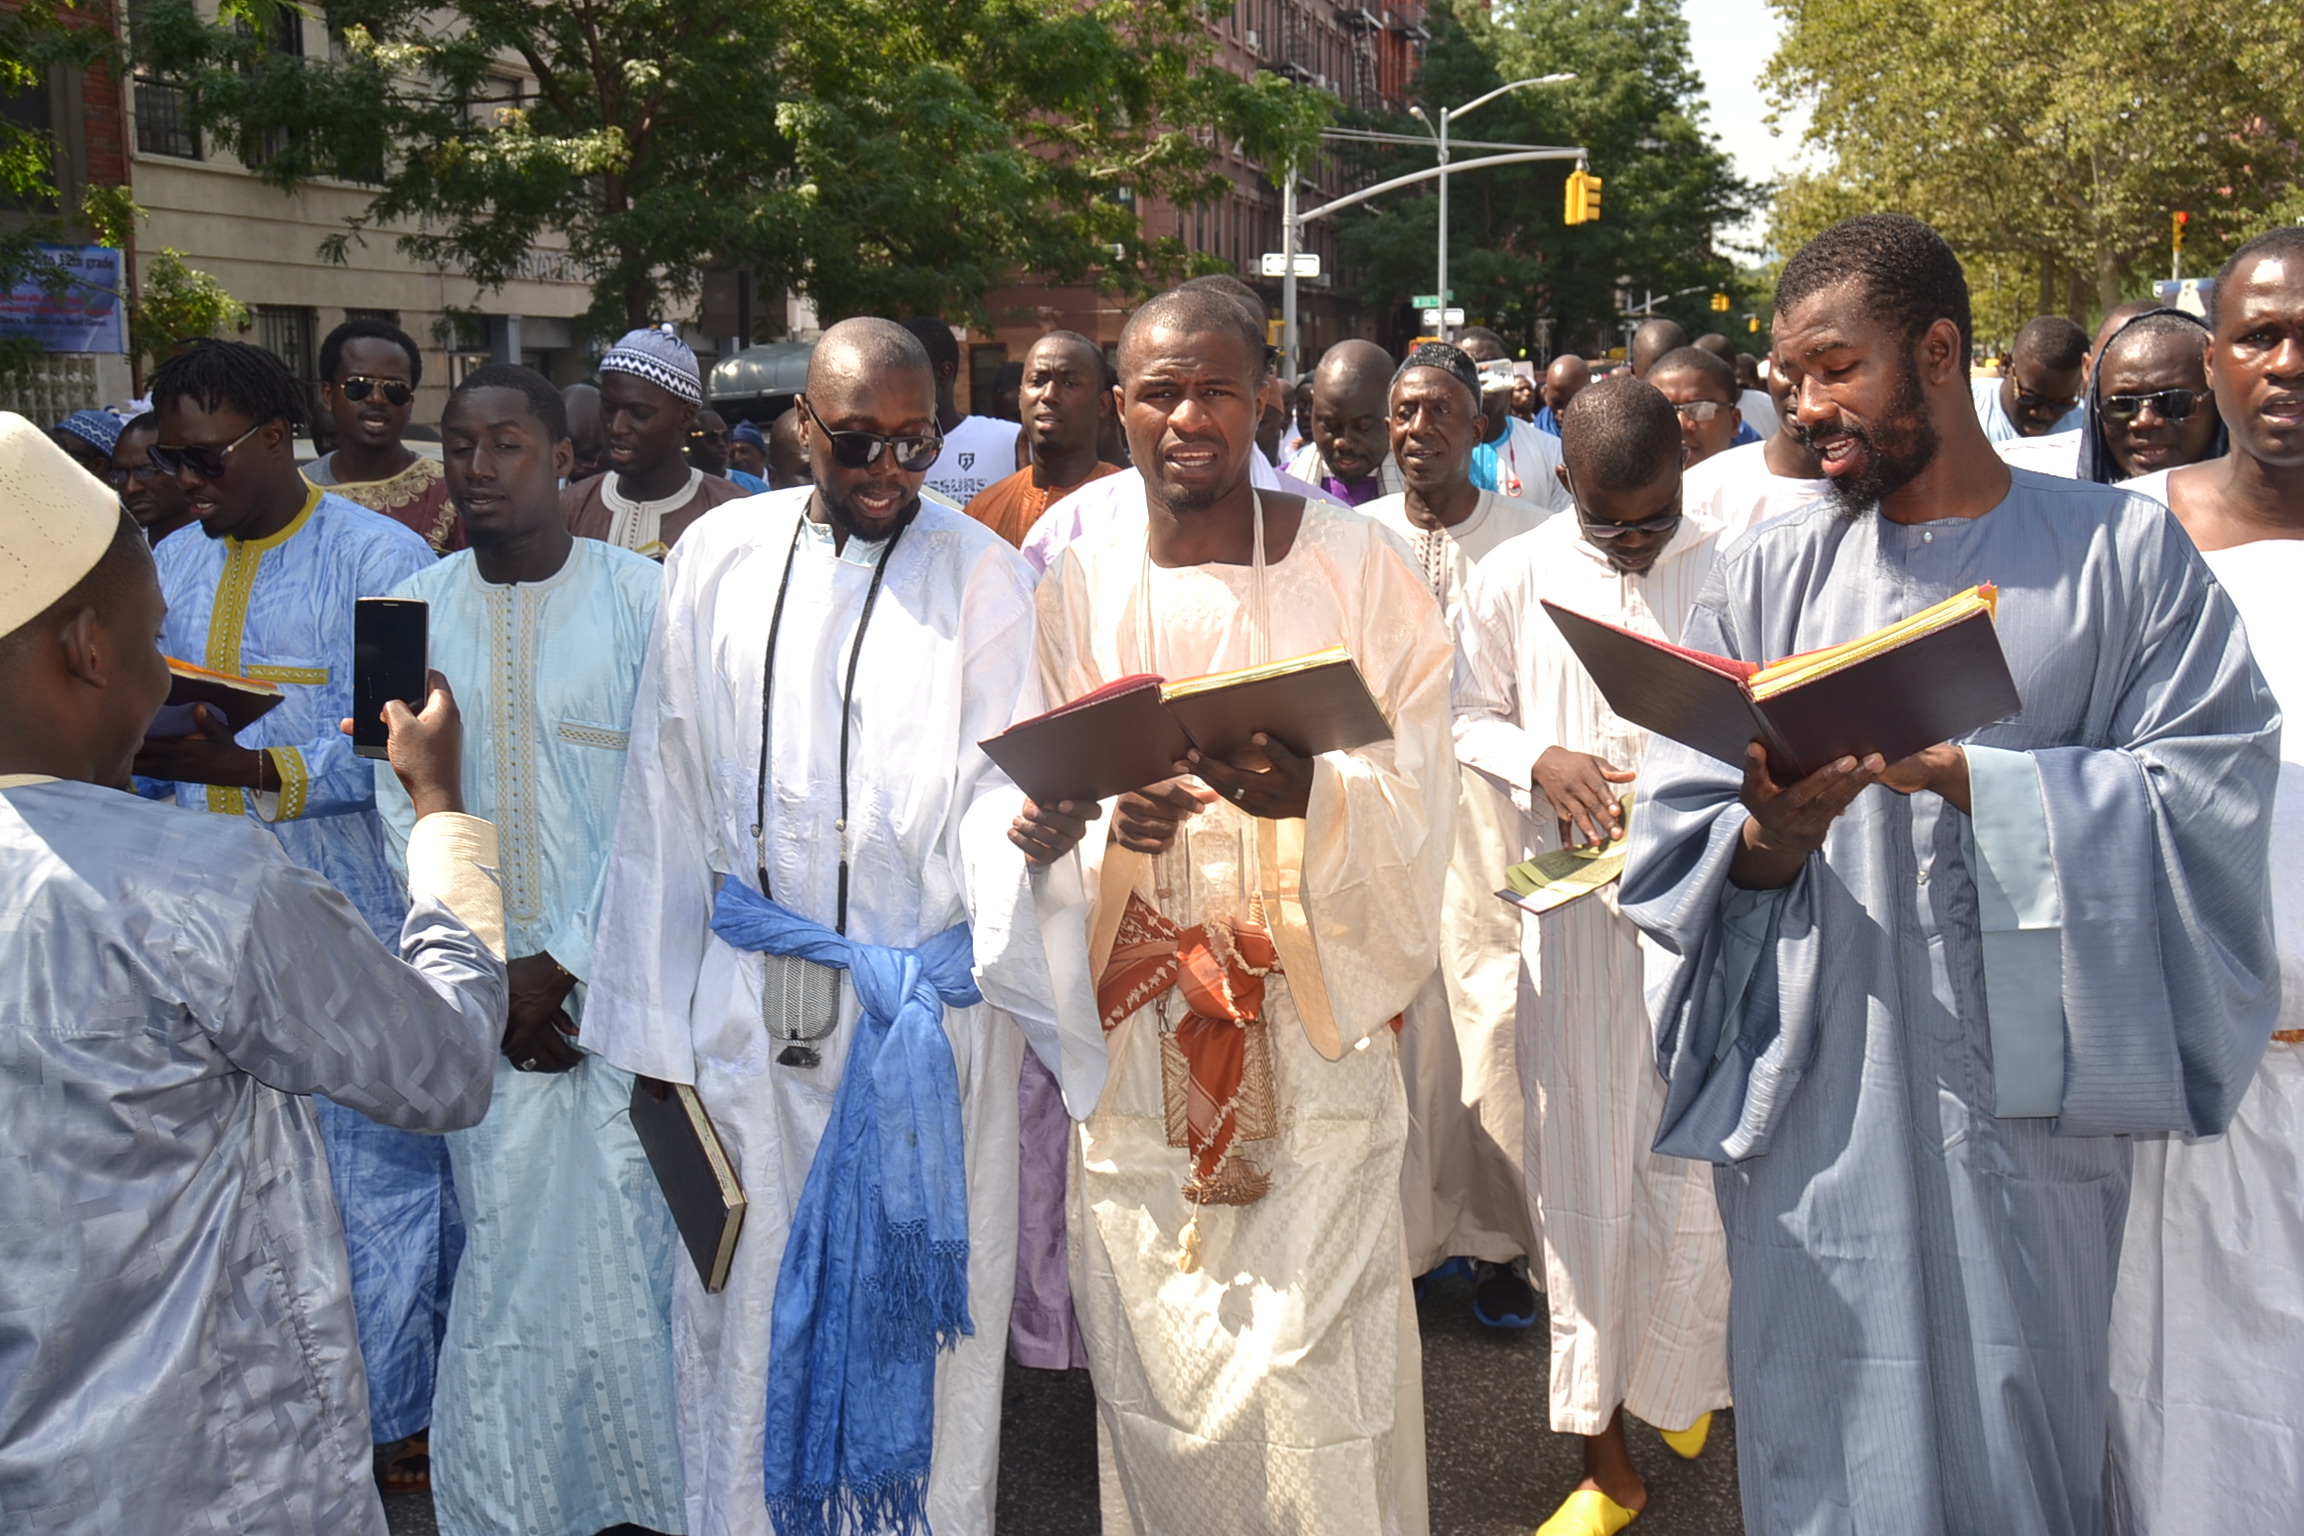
390,636
427,748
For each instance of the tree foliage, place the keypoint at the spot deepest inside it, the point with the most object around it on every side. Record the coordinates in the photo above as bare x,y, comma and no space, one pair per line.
891,156
2049,140
178,303
1634,105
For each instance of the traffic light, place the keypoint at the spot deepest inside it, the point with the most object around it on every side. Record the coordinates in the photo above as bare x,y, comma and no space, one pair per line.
1720,303
1583,197
1752,324
2176,223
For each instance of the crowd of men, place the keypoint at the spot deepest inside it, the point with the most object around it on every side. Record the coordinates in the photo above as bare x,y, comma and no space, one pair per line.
1940,1115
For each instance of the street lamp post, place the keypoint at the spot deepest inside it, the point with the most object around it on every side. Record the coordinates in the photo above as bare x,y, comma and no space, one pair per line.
1440,136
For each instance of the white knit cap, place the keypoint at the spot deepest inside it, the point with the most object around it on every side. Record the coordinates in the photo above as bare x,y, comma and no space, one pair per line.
56,521
656,353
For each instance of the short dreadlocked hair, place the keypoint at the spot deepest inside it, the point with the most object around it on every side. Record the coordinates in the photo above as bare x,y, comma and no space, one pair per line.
1905,269
247,378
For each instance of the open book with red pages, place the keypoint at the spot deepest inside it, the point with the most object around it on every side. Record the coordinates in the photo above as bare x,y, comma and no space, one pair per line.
1932,677
1134,730
242,701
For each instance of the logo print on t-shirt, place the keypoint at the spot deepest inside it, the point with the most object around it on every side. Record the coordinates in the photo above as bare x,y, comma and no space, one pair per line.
968,461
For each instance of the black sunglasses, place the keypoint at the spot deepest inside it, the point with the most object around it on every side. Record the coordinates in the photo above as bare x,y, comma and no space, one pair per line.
858,450
1605,532
204,459
358,386
2056,404
2174,404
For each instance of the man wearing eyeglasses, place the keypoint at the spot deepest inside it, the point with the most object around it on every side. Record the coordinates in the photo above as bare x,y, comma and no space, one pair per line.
1702,389
1635,1265
369,370
808,837
2150,408
149,492
651,394
2207,1403
2047,368
267,591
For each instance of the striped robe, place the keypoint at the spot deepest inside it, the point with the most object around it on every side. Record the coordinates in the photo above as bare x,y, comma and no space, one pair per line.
1635,1273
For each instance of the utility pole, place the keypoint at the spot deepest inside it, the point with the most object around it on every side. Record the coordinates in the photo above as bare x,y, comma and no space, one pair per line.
1440,137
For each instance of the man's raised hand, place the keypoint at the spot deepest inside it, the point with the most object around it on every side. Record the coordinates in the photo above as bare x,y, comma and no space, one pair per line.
1146,820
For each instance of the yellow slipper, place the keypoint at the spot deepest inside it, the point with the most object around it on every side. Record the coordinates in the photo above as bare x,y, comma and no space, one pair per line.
1587,1512
1688,1444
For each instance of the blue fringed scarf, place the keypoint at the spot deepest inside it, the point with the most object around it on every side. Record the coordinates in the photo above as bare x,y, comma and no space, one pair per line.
875,1273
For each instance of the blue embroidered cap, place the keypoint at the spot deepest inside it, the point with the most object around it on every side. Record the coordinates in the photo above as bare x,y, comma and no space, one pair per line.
98,429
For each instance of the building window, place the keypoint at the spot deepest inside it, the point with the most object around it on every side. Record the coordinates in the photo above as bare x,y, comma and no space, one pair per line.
285,331
164,120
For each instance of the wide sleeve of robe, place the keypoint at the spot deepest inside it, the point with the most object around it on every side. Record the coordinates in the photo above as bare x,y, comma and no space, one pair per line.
2157,834
656,903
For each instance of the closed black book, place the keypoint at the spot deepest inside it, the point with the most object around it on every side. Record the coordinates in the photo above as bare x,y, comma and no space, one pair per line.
694,1171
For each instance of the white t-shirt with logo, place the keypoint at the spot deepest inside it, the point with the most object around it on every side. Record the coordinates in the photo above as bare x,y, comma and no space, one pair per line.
979,451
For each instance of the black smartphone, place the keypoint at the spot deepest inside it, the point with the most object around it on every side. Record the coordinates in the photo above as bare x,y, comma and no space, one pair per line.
389,639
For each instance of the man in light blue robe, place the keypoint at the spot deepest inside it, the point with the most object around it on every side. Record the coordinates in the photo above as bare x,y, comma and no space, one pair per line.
1913,1009
177,1345
554,1415
264,587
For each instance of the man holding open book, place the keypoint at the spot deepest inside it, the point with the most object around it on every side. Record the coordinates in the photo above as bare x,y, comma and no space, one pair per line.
1634,1271
1913,1007
1258,925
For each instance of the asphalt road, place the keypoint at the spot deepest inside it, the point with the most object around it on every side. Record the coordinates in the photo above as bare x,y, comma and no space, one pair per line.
1495,1469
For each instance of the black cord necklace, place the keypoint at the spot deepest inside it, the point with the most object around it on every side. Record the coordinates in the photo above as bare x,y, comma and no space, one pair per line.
800,1002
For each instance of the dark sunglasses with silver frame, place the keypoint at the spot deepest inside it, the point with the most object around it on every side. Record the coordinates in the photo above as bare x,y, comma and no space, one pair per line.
2174,404
207,460
858,450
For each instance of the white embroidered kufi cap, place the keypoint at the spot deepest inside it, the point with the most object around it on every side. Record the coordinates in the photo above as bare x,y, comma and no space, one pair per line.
56,521
656,353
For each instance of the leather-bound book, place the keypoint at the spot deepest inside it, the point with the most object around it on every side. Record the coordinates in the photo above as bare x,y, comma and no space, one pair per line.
1134,730
242,701
1933,677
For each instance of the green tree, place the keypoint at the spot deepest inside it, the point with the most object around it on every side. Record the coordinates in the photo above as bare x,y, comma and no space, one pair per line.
2048,141
177,303
1512,261
877,155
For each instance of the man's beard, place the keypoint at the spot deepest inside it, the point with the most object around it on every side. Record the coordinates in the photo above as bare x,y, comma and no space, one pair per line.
1895,452
845,522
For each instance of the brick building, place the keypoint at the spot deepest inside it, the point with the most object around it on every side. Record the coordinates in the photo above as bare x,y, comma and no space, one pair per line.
1365,55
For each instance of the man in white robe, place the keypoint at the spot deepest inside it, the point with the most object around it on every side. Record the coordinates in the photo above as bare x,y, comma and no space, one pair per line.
878,815
176,1303
2207,1397
1253,1341
1636,1271
1462,1186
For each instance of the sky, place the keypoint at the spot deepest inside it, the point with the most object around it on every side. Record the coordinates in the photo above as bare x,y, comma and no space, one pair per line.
1731,41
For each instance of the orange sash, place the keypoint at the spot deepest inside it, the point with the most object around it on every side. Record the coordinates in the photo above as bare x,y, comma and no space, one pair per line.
1224,1001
